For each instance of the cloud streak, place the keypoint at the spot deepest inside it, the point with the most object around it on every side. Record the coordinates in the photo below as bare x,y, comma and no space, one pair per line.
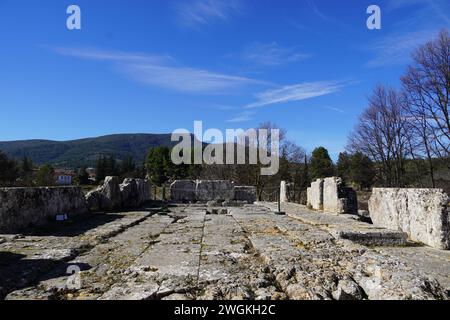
204,12
396,49
271,54
297,92
242,117
161,71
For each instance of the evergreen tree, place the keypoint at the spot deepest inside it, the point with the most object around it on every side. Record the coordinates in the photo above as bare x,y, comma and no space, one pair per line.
127,167
45,176
361,170
159,165
9,171
321,164
83,176
101,168
343,166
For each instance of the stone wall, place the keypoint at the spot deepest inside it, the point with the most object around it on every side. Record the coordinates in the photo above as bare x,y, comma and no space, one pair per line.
245,193
210,190
113,196
337,198
207,190
27,207
315,195
183,191
422,213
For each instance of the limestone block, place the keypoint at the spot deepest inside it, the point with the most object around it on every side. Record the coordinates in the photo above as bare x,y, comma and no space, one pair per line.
214,190
245,193
315,195
183,190
105,197
337,198
129,193
421,213
26,207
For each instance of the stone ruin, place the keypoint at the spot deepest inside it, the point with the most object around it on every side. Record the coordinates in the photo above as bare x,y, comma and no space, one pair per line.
26,207
286,190
112,195
315,195
29,207
189,191
423,214
330,195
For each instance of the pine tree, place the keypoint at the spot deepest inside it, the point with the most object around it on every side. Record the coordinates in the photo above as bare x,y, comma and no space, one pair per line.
321,164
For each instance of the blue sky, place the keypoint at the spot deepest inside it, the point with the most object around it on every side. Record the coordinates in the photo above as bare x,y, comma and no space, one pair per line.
155,66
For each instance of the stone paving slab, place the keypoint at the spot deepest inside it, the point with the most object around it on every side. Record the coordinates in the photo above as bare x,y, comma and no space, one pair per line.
181,252
343,226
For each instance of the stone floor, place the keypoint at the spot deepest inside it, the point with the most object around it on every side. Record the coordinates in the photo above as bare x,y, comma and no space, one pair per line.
183,252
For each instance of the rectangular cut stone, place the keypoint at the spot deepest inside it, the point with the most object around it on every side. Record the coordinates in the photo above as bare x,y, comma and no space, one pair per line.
337,198
27,207
315,195
208,190
183,190
245,193
421,213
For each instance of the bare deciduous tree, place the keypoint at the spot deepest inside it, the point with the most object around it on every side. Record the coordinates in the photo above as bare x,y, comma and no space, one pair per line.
382,134
426,86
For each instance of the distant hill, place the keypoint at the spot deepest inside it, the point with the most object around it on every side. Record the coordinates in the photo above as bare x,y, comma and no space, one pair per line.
75,153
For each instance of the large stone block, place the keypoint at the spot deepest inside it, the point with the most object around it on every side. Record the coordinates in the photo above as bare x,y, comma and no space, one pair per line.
245,193
183,191
144,190
106,197
337,198
207,190
315,195
286,191
129,193
27,207
421,213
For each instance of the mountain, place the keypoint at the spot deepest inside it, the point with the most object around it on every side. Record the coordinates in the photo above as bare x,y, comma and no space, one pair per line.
75,153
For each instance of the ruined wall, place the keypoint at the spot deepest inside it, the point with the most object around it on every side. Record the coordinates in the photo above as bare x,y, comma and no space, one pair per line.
245,193
337,198
27,207
207,190
421,213
315,195
210,190
183,191
113,196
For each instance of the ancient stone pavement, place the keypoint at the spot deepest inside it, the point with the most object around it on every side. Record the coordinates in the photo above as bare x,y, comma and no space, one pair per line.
248,252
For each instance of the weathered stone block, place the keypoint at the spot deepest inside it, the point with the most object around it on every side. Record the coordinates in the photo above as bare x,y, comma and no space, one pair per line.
421,213
337,198
245,193
26,207
207,190
129,193
286,191
315,195
183,191
106,197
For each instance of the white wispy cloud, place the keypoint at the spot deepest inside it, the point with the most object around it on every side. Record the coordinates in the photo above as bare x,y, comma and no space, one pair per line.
338,110
396,49
297,92
242,117
271,54
162,71
203,12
